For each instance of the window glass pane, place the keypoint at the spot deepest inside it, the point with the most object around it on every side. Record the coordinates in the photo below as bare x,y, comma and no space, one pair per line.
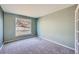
23,26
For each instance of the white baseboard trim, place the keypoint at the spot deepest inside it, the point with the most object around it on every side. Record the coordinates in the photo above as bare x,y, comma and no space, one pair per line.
56,43
1,47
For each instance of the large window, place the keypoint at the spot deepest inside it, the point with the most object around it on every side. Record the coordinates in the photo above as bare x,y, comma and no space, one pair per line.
23,26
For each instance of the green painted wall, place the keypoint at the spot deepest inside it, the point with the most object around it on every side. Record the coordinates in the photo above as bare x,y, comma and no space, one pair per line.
59,26
1,27
9,26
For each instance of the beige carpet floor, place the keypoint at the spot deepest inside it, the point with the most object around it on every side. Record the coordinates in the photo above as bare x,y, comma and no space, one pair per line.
34,46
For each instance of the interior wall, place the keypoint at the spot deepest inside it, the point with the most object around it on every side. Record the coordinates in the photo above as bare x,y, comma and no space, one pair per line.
59,27
9,27
1,27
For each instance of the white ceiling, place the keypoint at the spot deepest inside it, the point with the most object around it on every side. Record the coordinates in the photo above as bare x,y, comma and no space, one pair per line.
37,10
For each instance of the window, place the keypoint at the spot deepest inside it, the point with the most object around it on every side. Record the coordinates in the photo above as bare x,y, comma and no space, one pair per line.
23,26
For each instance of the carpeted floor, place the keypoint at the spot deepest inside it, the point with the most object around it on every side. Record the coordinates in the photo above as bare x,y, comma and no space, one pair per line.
34,46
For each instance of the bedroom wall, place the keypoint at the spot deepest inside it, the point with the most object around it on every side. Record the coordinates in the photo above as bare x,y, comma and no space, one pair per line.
9,27
1,27
59,27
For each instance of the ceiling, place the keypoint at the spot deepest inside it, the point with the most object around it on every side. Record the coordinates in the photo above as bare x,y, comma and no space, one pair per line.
33,10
